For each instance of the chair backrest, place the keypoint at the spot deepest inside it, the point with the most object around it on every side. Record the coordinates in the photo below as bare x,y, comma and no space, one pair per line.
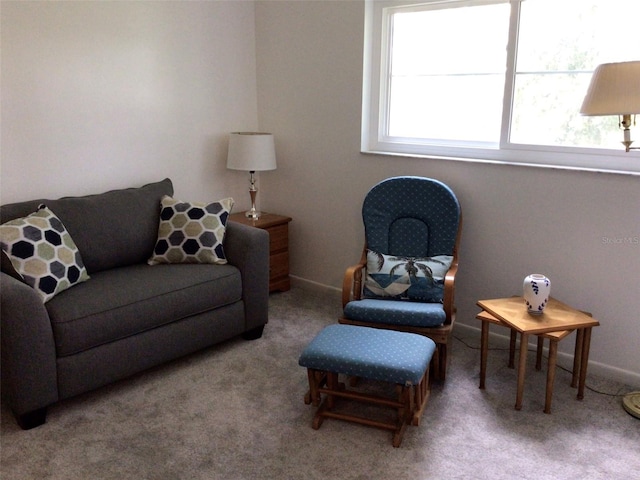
411,216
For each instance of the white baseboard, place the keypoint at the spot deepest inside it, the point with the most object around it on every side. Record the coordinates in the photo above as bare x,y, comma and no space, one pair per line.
313,286
564,360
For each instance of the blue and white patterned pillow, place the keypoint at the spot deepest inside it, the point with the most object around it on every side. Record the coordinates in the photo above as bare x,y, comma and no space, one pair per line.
42,253
191,232
406,278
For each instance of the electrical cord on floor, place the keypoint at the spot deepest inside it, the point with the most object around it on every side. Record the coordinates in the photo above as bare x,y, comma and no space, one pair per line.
557,366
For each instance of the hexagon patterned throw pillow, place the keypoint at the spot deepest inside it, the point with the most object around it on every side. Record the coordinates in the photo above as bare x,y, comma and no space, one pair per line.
43,253
191,232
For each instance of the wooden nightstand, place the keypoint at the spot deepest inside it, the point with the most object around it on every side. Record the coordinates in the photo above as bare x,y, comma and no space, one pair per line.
278,228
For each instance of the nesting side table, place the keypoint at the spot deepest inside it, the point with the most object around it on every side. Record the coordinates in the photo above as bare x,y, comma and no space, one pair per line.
557,321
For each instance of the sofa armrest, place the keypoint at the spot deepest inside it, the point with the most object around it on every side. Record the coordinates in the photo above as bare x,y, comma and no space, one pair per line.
29,373
247,248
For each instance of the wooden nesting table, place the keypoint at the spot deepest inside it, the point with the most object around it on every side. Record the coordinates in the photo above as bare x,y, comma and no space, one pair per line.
557,321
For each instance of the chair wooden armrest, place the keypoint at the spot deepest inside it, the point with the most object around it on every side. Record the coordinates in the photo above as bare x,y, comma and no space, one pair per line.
352,282
449,290
450,279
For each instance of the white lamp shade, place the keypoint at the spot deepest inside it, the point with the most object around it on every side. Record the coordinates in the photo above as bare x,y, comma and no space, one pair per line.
251,151
614,90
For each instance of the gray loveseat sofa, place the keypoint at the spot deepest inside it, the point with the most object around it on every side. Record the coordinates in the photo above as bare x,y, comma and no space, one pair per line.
129,316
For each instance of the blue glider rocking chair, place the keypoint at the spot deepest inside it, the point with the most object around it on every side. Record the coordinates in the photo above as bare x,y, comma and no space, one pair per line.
406,275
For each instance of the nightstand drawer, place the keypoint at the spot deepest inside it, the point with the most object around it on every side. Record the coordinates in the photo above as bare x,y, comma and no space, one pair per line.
279,265
278,228
278,238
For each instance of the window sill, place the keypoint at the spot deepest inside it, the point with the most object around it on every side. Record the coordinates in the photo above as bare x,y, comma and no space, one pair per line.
622,163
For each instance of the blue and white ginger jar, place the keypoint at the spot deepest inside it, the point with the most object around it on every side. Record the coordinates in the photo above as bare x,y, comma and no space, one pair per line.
536,290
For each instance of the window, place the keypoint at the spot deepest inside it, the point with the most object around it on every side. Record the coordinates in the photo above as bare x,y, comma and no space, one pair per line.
495,80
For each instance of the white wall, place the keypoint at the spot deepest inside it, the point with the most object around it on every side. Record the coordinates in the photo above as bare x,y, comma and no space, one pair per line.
517,220
103,95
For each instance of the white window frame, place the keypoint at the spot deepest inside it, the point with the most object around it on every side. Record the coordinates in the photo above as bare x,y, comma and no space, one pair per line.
373,140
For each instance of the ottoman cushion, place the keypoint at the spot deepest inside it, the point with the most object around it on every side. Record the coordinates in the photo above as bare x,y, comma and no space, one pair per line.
376,354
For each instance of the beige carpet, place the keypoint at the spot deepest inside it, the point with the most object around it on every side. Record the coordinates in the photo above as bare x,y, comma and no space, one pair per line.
235,411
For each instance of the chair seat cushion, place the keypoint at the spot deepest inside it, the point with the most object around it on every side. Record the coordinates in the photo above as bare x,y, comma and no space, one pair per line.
385,355
396,312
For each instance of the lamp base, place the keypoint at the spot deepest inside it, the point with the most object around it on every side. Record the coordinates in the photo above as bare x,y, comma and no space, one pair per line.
631,403
626,124
253,192
253,213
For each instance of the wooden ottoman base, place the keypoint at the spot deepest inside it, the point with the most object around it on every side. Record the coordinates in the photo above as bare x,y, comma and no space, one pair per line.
383,358
409,403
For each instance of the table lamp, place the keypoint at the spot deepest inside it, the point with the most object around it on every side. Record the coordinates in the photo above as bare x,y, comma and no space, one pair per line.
615,90
252,152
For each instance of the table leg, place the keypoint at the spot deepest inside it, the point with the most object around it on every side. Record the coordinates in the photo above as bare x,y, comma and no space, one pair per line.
522,365
584,361
484,350
577,357
512,347
539,353
551,374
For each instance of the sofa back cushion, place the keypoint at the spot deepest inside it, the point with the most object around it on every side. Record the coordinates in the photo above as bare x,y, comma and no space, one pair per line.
111,229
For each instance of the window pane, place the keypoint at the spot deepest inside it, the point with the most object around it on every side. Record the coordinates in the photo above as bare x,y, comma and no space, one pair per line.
447,73
465,108
545,113
553,70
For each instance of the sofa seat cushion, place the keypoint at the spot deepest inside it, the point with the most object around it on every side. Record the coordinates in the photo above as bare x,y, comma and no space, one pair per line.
125,301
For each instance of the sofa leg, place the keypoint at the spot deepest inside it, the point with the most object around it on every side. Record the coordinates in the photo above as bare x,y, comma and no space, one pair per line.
254,333
32,419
